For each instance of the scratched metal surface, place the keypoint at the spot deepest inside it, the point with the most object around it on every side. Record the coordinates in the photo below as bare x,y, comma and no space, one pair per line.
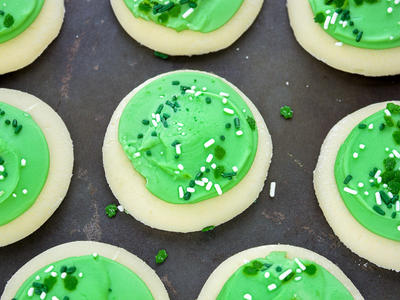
93,64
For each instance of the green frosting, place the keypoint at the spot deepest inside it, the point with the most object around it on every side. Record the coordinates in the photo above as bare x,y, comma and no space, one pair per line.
84,277
196,15
190,134
24,162
278,277
372,24
16,16
367,172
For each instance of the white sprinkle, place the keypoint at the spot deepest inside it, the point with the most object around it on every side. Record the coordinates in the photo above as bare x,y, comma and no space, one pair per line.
350,191
397,205
272,189
43,295
190,92
328,11
120,208
371,126
204,180
154,123
54,298
272,286
229,111
218,189
378,198
1,177
190,190
339,44
1,168
80,275
213,166
49,269
209,143
23,162
199,182
386,149
95,254
198,93
362,146
371,180
297,278
37,277
187,13
239,132
193,87
378,173
385,185
344,24
137,154
396,153
180,189
355,154
390,194
390,10
366,193
235,169
266,275
387,112
224,101
391,38
326,24
360,184
398,228
379,180
298,271
158,118
300,264
179,124
247,297
63,275
391,155
396,2
178,149
204,89
222,94
203,169
153,115
24,191
209,158
180,167
30,292
14,195
285,274
53,274
209,185
334,17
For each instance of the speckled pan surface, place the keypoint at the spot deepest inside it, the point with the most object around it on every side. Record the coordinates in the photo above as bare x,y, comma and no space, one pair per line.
93,64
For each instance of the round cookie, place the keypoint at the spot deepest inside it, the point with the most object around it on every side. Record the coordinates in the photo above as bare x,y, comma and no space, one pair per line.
380,242
277,272
341,54
34,33
187,42
173,213
59,171
113,259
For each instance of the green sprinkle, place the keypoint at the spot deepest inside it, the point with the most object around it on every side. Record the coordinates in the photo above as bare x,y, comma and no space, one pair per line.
389,121
166,116
70,282
14,123
1,13
71,270
160,108
222,137
154,133
192,183
278,269
394,215
347,179
66,298
389,163
393,108
111,210
236,121
228,125
63,269
140,135
8,21
378,210
382,126
251,122
198,175
384,197
148,153
161,55
208,100
286,112
250,270
311,269
394,186
359,36
219,152
161,256
319,18
187,196
396,136
18,129
218,171
176,82
145,122
174,143
208,228
362,126
8,122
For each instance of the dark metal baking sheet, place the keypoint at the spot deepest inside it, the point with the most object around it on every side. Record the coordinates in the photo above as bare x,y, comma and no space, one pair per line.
93,64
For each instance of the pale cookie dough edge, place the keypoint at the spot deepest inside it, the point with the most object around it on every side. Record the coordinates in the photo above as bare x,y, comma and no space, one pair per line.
224,271
60,170
30,44
346,58
171,42
378,250
80,248
128,185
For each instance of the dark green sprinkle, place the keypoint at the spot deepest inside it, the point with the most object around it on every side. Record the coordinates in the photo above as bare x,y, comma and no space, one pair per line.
71,270
14,123
8,21
389,121
373,172
278,269
145,122
382,126
393,108
250,270
63,269
111,211
161,256
198,175
174,143
384,197
362,126
311,269
166,116
251,122
187,196
286,112
1,13
228,125
208,228
154,133
355,31
2,113
192,4
140,135
319,18
389,163
359,36
161,55
219,152
192,183
347,179
1,161
236,121
148,153
18,129
394,215
396,137
37,285
70,282
176,156
8,122
208,100
175,82
378,210
66,298
222,137
160,108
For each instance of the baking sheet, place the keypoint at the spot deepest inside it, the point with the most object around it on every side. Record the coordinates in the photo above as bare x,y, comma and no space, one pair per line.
93,64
